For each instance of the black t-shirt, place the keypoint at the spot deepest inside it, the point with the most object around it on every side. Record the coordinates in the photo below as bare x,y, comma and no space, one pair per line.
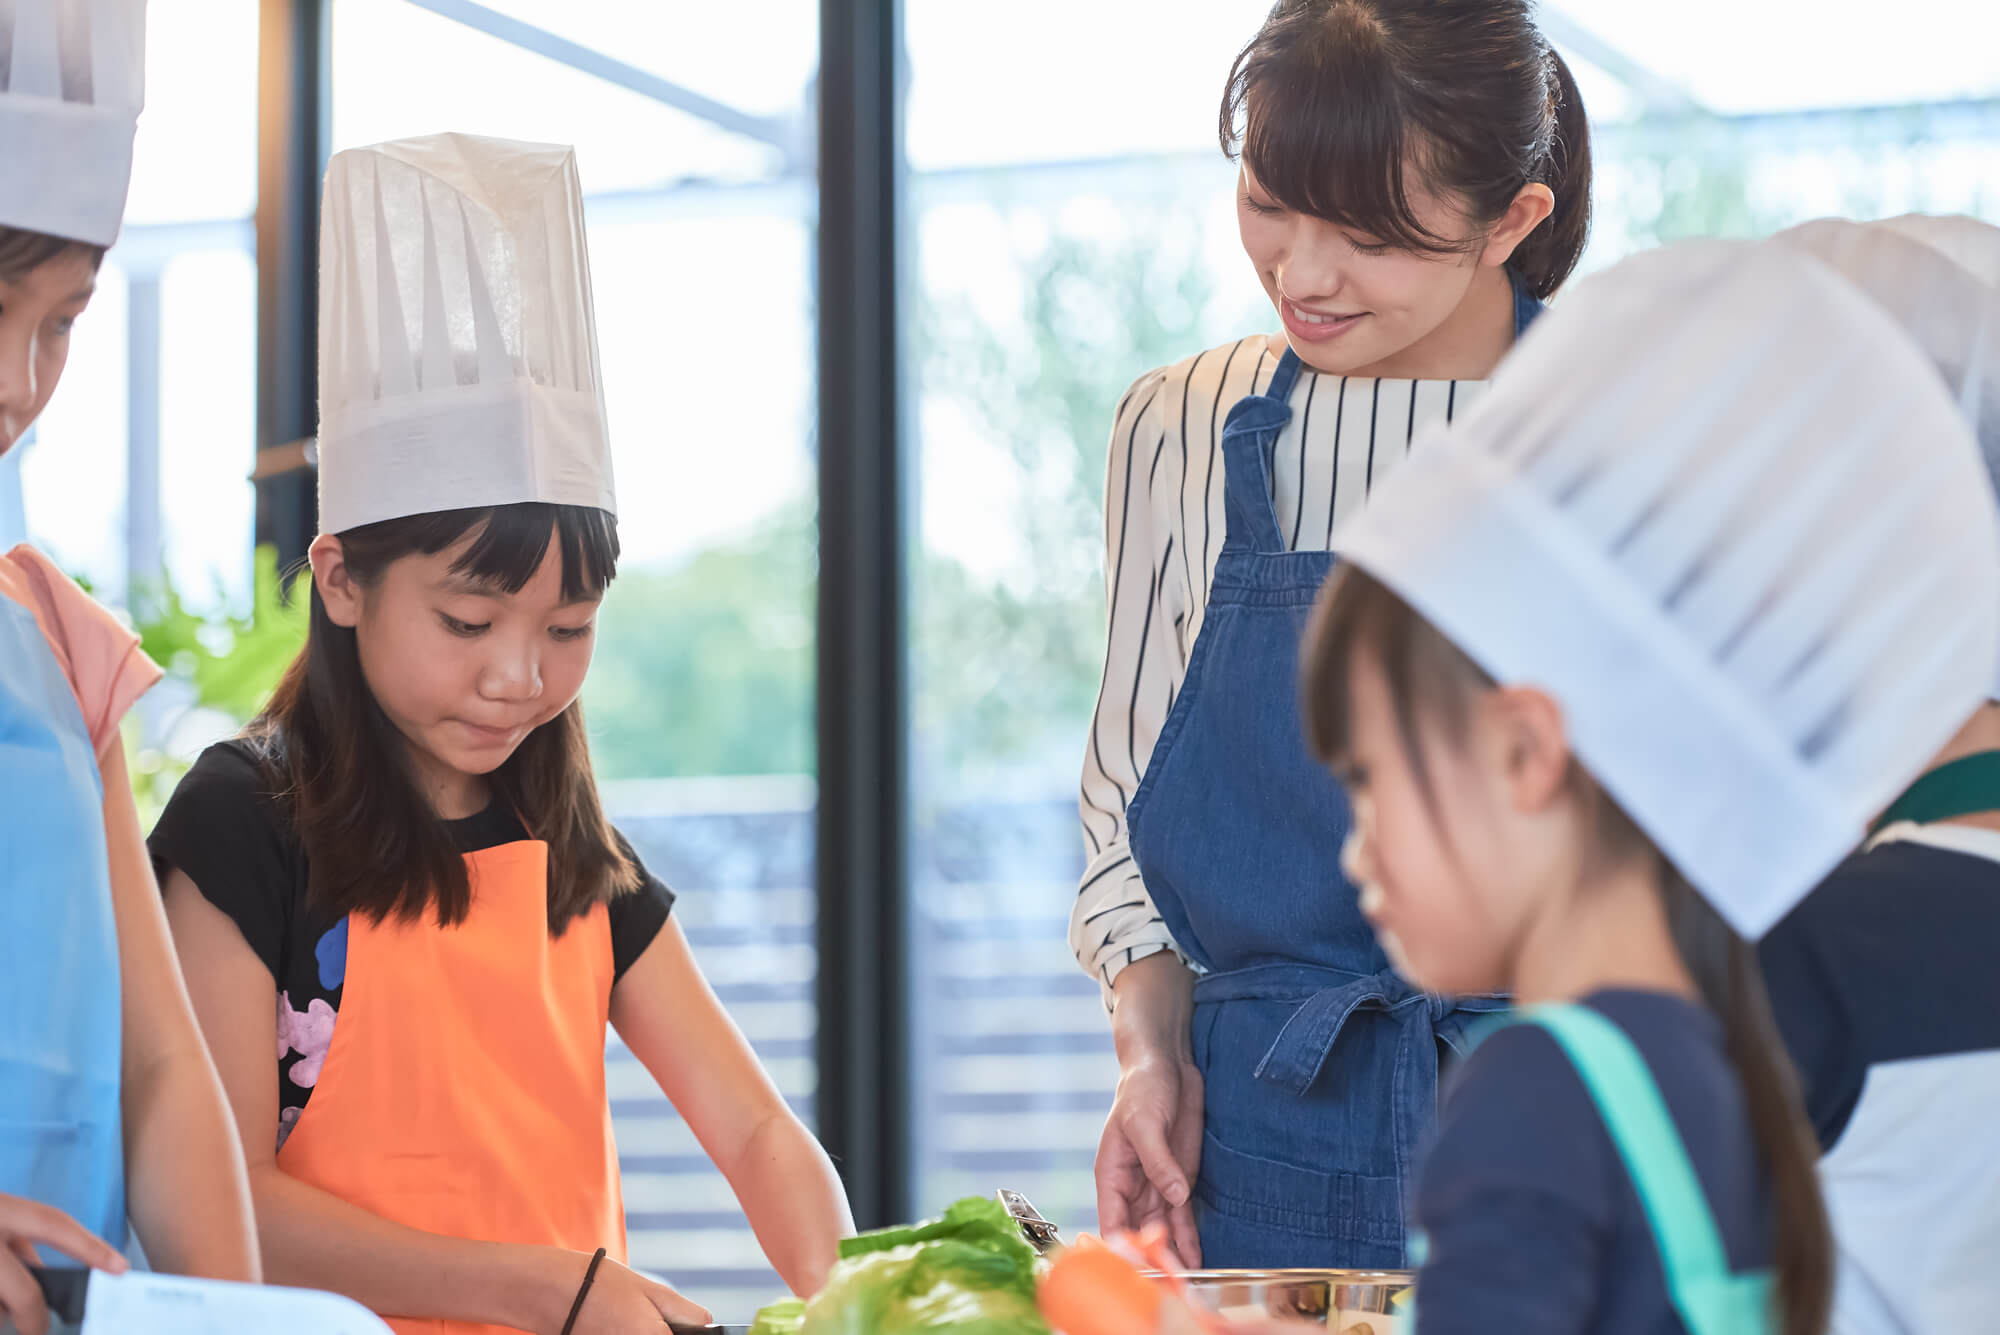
233,838
1533,1221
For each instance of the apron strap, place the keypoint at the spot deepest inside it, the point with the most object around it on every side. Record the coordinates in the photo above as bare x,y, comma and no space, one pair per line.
1711,1299
1249,435
1300,1051
1964,787
1527,306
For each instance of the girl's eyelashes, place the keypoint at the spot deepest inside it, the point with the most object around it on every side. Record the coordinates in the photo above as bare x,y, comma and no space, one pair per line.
469,630
1368,248
462,628
1258,207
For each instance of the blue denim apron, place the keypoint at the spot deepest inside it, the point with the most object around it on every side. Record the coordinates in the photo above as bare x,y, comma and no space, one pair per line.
61,1135
1321,1064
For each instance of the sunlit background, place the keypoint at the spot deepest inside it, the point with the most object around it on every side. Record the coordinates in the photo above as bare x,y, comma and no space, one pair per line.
1074,227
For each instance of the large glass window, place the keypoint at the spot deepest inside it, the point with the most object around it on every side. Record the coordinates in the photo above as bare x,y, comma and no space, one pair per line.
1063,250
690,128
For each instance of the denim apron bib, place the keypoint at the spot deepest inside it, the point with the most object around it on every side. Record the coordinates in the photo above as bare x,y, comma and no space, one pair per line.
61,1134
1320,1063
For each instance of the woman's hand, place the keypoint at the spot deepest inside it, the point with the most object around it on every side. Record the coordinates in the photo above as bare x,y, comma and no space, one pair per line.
23,1225
622,1301
1150,1154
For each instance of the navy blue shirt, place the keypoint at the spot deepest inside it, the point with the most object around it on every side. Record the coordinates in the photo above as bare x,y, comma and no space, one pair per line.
1891,959
1533,1222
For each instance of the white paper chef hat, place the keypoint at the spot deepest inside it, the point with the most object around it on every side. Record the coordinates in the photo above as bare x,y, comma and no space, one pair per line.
1966,240
72,80
1718,505
457,339
1940,279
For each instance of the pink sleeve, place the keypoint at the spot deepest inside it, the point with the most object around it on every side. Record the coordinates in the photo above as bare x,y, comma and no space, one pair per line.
99,654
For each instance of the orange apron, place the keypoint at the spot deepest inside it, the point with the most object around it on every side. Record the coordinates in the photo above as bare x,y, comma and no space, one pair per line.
463,1092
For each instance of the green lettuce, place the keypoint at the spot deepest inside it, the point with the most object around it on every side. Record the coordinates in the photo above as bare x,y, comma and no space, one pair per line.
969,1272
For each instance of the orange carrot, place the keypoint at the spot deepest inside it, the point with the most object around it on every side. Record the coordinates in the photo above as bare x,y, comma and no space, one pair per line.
1093,1291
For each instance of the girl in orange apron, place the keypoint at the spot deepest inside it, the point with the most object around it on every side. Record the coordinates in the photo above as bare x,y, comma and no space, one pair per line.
404,860
108,1104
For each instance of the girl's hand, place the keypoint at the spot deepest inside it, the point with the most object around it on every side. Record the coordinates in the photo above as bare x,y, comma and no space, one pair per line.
622,1301
1150,1153
23,1225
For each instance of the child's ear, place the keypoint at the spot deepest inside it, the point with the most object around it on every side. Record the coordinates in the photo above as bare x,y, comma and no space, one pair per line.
334,582
1532,745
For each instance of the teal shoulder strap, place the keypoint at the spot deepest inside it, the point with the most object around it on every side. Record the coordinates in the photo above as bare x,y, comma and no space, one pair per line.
1710,1299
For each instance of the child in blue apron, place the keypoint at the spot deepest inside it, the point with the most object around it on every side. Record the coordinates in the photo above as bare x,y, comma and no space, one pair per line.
1883,979
108,1101
1615,673
1276,1077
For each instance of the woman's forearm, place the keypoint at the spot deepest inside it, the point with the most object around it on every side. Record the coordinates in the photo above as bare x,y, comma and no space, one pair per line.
794,1199
1154,1014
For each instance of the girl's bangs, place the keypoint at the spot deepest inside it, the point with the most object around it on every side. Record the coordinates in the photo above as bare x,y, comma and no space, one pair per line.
513,540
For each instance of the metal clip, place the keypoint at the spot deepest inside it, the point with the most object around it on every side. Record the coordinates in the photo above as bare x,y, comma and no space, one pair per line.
1040,1233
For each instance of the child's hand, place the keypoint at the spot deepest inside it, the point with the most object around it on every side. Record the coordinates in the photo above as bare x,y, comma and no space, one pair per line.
23,1225
622,1301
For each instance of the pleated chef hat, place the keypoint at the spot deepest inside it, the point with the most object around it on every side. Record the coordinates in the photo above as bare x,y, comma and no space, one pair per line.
1719,506
1967,240
457,340
1940,279
72,80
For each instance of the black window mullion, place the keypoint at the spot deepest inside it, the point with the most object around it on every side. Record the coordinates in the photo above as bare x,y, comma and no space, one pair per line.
293,131
863,990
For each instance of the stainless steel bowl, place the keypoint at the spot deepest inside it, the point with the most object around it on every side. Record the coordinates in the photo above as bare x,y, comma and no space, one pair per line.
1351,1302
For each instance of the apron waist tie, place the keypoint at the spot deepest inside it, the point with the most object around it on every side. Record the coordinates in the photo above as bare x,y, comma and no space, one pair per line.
1328,999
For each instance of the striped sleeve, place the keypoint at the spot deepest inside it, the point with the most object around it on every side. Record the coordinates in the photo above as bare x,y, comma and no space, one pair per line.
1113,922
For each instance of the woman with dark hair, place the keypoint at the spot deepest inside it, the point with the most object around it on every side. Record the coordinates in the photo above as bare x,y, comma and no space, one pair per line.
109,1106
407,917
1415,180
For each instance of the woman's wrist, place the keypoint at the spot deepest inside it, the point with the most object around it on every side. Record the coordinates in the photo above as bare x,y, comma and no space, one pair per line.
1154,1017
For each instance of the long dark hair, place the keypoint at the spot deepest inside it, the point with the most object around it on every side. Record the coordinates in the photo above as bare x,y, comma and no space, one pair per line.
1429,676
1334,100
373,844
22,251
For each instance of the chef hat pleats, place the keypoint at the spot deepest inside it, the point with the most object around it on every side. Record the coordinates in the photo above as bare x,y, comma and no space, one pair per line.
1723,510
72,82
458,353
1939,278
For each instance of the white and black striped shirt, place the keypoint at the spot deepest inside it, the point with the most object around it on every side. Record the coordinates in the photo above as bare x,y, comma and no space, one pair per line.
1164,527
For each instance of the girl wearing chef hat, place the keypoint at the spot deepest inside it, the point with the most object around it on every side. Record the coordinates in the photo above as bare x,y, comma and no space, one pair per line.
108,1101
406,913
1616,672
1415,180
1883,980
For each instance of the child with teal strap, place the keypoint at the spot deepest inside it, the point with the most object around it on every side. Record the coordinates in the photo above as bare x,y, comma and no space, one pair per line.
1711,1299
1612,691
